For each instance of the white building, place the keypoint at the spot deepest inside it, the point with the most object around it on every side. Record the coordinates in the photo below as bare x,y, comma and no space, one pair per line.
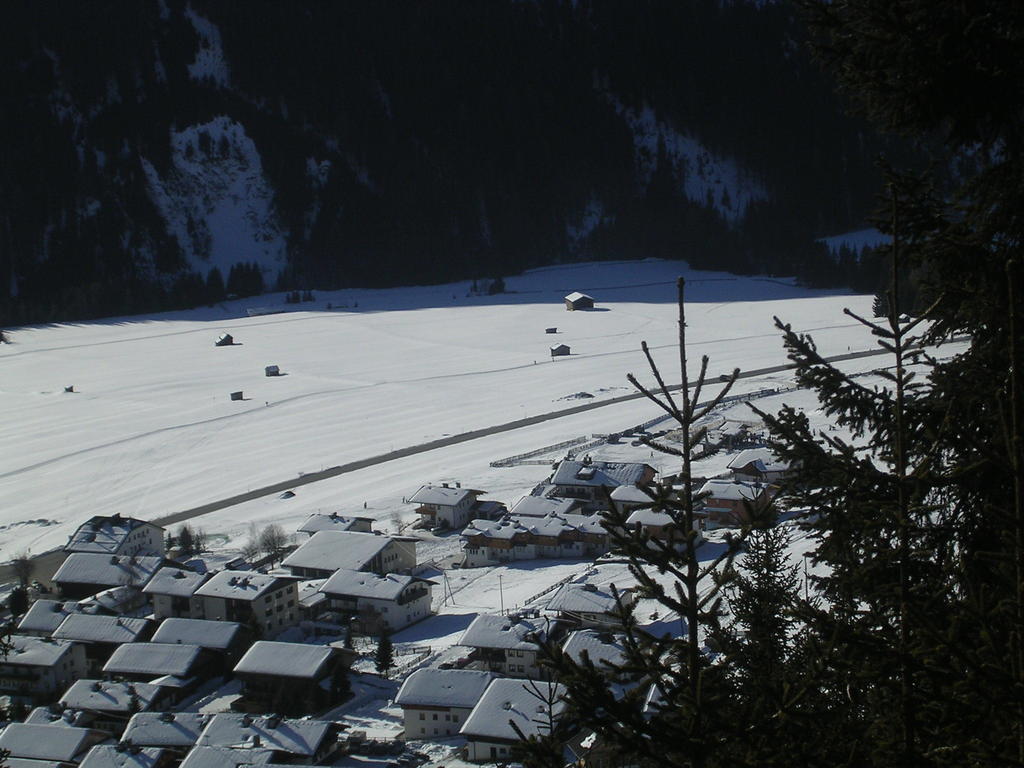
335,522
444,506
590,481
490,737
436,702
83,574
388,602
117,535
758,465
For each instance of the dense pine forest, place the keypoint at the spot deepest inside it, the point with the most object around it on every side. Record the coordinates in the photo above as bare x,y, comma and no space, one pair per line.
148,148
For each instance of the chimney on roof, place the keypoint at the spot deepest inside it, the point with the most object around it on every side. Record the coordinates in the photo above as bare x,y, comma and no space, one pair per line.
458,485
166,717
444,485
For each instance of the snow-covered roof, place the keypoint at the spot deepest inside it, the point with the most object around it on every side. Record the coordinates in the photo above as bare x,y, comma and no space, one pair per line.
489,631
600,646
218,635
89,628
649,517
175,582
120,756
332,522
762,458
599,473
347,583
154,659
267,657
630,494
733,490
582,598
48,742
105,696
538,506
31,651
242,585
165,729
103,534
46,615
50,716
442,496
576,296
225,757
296,737
107,570
509,699
506,528
432,687
331,550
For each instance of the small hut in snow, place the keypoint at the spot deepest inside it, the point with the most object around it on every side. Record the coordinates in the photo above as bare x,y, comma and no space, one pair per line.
224,340
550,330
236,395
560,350
577,300
272,370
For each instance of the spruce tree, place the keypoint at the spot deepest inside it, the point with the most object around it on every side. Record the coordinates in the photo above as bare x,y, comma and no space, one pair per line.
384,658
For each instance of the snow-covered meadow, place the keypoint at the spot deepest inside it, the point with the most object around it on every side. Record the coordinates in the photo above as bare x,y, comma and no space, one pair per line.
150,428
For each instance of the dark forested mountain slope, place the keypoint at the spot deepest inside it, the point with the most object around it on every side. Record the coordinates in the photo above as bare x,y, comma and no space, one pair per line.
147,148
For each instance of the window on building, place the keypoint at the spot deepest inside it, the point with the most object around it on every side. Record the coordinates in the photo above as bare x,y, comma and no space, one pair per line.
423,716
435,716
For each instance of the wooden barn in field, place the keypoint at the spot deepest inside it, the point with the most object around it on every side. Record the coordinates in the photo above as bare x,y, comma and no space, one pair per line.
577,300
224,340
560,350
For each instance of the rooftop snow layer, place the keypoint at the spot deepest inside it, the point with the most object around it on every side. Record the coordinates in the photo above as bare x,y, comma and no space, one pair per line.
154,659
218,635
598,473
102,534
47,615
175,582
431,687
508,700
48,742
116,756
331,550
442,496
105,696
489,631
241,585
296,737
267,657
582,598
30,651
166,729
108,570
89,628
347,583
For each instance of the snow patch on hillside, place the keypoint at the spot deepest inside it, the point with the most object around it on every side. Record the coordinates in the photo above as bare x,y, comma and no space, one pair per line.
590,219
215,199
210,64
703,176
856,241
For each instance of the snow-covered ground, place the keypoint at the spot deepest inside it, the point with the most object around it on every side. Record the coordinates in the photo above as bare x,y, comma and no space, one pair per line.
150,429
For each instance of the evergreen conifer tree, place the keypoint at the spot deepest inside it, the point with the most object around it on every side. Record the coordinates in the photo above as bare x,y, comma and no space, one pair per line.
384,658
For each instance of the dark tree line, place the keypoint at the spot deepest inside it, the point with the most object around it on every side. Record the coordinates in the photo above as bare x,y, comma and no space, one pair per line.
461,140
907,649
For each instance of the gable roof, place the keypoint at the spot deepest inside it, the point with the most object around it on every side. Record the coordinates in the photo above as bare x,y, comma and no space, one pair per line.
582,598
225,757
539,506
154,659
31,651
48,742
509,699
105,696
175,582
267,657
331,550
441,495
489,631
117,756
332,522
432,687
90,628
576,296
733,490
296,737
165,729
218,635
600,646
242,585
103,533
762,458
599,473
347,583
46,615
107,570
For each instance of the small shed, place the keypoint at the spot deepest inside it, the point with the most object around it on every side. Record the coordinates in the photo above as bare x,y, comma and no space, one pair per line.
272,370
560,350
224,340
236,395
550,330
577,300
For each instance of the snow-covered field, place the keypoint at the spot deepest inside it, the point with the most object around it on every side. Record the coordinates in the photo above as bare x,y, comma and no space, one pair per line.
150,429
